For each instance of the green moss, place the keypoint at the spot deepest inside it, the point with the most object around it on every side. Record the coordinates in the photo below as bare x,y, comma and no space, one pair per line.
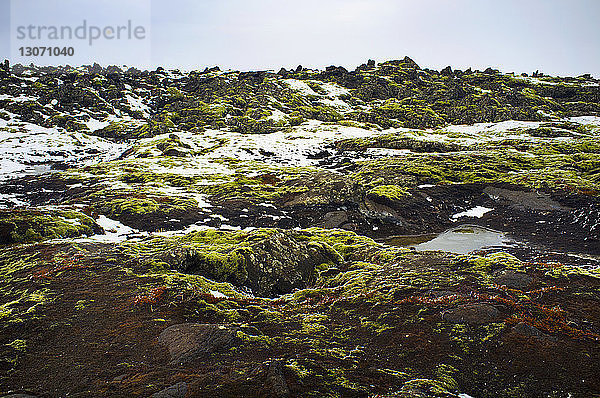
425,388
392,193
343,242
490,262
263,341
29,226
118,207
445,374
21,305
266,187
376,328
552,171
300,371
18,345
315,324
82,304
141,206
472,338
67,122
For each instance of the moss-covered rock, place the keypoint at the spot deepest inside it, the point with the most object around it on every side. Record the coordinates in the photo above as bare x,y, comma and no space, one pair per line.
270,262
32,225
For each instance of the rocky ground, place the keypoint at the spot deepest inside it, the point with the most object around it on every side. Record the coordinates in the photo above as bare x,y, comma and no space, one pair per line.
391,231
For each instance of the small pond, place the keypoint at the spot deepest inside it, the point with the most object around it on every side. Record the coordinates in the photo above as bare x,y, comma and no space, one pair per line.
461,240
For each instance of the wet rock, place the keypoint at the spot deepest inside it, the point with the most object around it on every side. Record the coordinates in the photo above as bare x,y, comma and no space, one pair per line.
442,293
472,313
322,187
4,69
189,341
175,391
319,155
512,279
254,77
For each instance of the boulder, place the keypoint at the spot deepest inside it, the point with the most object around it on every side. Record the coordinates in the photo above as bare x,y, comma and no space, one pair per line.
271,265
189,341
335,219
512,279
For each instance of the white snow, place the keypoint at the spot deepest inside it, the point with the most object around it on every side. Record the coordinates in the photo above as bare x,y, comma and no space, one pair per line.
334,89
331,98
137,104
289,148
478,128
217,294
12,199
277,115
185,231
20,98
93,124
477,212
300,86
114,231
29,149
595,120
337,103
386,152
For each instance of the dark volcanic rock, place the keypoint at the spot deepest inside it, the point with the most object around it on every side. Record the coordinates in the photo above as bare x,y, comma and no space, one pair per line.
189,341
512,279
335,219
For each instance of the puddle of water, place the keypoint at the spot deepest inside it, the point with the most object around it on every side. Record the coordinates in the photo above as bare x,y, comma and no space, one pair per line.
461,240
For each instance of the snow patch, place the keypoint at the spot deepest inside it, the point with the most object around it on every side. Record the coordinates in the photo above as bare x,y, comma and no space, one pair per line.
476,212
114,231
300,86
217,294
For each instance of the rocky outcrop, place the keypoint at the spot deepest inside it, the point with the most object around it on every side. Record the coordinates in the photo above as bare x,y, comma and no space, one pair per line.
270,264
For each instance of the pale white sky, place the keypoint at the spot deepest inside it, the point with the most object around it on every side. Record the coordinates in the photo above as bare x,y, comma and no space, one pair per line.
555,36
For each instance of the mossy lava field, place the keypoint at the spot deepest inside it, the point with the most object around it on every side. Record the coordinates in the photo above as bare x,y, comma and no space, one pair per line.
390,231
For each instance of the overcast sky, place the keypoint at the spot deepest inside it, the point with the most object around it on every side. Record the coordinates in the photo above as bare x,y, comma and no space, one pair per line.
555,36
